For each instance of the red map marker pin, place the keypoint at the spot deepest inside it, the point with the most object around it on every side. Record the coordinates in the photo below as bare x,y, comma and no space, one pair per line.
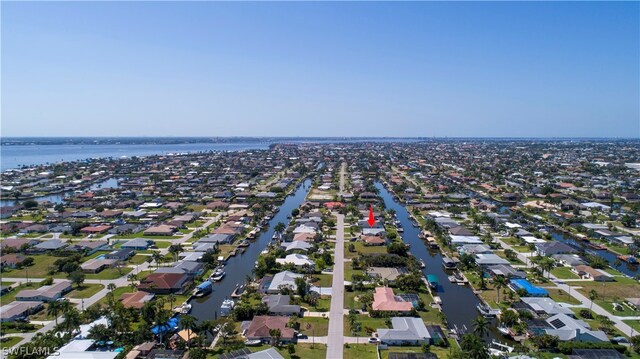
371,220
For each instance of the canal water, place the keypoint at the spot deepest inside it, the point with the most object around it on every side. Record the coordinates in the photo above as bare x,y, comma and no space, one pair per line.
626,268
458,302
240,266
59,197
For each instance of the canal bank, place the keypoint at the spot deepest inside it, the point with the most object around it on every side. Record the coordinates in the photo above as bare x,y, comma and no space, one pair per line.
237,268
458,302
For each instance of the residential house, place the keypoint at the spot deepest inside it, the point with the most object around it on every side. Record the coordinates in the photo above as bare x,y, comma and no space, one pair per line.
385,300
567,328
47,293
19,310
138,244
261,325
283,279
165,283
136,299
407,331
298,260
547,249
389,274
279,305
587,272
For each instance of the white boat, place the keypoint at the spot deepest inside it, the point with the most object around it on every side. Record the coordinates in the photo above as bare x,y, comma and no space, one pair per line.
185,308
504,331
499,349
218,275
227,307
252,342
422,265
487,311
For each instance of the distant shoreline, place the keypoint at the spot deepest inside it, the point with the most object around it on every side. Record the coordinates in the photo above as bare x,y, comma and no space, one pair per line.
40,141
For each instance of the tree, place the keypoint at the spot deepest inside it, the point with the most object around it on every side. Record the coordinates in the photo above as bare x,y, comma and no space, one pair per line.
509,318
189,323
301,286
279,227
499,282
30,204
275,335
176,249
77,278
593,295
157,257
473,347
72,320
480,326
52,309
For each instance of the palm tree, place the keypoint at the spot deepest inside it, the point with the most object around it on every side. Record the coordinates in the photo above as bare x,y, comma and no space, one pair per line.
499,282
53,308
176,249
189,323
483,285
480,326
72,320
160,320
132,278
171,298
279,227
157,257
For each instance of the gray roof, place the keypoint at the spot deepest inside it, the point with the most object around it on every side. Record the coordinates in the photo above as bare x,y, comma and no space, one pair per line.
285,278
137,242
490,259
567,328
405,328
545,305
50,244
270,353
280,304
215,238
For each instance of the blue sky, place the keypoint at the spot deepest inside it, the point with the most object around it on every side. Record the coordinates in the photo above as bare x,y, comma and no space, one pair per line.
321,69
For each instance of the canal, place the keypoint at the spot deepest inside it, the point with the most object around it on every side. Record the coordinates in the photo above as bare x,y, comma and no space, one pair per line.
458,302
59,197
627,268
240,266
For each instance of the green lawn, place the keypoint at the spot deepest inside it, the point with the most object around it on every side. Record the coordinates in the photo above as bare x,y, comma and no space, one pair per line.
162,244
322,280
116,294
360,248
9,342
560,295
323,304
635,324
138,259
608,306
314,326
11,295
349,300
564,273
360,351
373,324
86,291
39,268
110,273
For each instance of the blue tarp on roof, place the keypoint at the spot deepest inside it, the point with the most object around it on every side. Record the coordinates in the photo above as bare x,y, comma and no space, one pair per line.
531,289
172,324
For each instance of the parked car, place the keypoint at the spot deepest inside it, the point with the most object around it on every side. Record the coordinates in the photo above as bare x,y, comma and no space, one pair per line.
374,340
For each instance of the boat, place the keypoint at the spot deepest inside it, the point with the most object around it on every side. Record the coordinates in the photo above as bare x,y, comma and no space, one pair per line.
432,243
432,280
238,291
452,279
242,250
487,311
504,331
252,342
227,307
221,259
400,229
422,265
203,289
628,259
233,252
448,263
185,308
243,244
498,349
437,300
460,278
596,246
218,274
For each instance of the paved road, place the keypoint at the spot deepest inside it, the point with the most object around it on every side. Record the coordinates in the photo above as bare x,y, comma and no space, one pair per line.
335,340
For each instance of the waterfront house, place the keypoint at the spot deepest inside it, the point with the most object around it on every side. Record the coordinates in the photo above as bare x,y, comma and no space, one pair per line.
261,325
389,274
297,260
166,283
285,279
588,272
505,270
547,249
385,300
409,331
544,306
279,305
567,328
136,299
490,259
219,238
374,240
462,240
296,246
